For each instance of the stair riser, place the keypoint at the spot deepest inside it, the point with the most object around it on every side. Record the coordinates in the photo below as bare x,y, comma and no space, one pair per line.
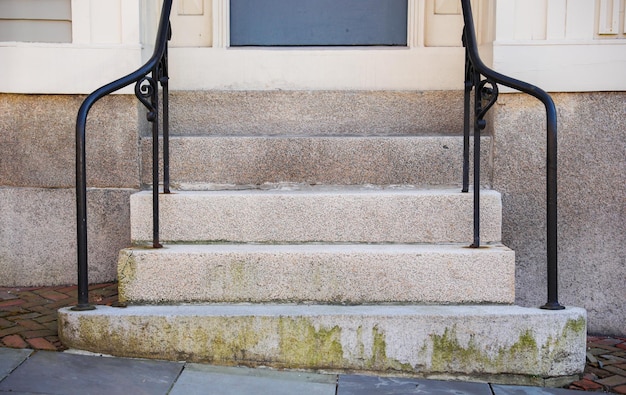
467,341
374,216
330,113
322,274
316,160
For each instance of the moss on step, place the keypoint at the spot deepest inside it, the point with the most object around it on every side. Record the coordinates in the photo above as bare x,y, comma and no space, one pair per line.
301,345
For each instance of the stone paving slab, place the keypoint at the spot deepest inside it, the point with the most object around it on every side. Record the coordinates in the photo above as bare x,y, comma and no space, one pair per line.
368,385
67,374
525,390
11,359
215,380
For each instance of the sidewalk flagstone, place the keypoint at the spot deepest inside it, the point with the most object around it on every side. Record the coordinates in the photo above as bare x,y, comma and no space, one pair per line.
68,374
370,385
11,359
215,380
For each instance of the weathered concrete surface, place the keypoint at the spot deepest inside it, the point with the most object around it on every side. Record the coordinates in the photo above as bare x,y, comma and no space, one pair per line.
379,160
38,234
592,209
37,136
352,274
315,113
318,214
456,340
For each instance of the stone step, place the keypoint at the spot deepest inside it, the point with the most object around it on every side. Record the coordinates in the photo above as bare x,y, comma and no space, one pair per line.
305,113
469,342
328,214
348,160
340,274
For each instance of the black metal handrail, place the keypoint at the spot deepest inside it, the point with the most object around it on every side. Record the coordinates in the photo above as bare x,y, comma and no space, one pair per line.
146,80
485,95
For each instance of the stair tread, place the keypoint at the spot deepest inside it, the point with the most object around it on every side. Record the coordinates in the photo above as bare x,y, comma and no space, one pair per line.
299,189
323,248
286,309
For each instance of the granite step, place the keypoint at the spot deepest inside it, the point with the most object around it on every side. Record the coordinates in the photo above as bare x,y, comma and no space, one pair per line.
468,342
324,214
306,113
345,160
320,273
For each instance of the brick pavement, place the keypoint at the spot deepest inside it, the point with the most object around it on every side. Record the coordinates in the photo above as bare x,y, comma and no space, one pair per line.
28,316
606,366
28,319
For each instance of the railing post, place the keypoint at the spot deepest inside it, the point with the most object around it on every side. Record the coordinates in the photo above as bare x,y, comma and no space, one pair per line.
164,80
81,211
466,118
155,160
479,124
551,209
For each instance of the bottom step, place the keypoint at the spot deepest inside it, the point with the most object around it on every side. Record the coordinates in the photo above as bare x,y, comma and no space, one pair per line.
456,341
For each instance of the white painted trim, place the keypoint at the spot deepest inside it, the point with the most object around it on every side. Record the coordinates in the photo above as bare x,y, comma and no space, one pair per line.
415,21
221,23
556,17
576,67
64,69
609,17
366,68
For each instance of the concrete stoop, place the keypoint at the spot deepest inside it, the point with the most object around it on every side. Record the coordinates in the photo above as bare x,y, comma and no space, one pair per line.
515,344
329,277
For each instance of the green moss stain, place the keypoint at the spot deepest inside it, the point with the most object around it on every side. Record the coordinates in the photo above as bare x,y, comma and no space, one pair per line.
126,274
379,359
226,345
304,346
238,270
525,344
448,353
524,352
577,326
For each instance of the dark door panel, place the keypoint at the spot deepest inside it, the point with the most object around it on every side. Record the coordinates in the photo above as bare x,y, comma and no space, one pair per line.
318,22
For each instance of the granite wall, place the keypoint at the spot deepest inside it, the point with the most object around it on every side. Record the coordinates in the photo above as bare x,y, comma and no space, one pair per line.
37,177
592,200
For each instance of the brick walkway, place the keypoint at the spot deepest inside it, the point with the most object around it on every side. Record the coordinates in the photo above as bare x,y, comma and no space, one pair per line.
28,316
28,319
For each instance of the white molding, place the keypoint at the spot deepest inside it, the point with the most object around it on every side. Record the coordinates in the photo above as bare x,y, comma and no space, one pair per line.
609,17
576,67
81,19
364,68
415,23
64,69
221,23
556,19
